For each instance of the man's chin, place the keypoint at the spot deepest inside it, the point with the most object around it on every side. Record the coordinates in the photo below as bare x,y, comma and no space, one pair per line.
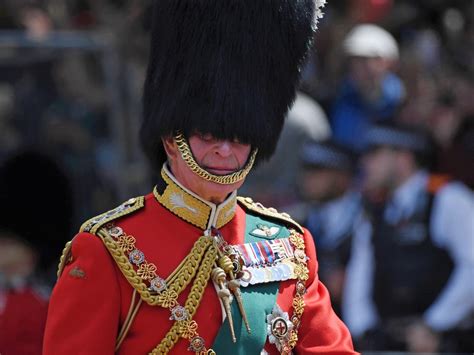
217,193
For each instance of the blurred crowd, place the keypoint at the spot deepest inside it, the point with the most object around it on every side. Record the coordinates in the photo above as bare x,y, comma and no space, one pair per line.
376,157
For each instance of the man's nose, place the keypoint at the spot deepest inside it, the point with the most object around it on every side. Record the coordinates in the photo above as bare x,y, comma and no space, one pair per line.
223,148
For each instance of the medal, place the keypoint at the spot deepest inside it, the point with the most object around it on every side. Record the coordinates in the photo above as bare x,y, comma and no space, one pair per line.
279,327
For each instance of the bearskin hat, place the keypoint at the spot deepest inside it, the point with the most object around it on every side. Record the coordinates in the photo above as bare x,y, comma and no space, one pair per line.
228,68
36,203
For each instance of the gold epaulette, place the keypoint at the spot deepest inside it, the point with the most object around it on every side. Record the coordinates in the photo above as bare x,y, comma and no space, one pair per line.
271,212
94,224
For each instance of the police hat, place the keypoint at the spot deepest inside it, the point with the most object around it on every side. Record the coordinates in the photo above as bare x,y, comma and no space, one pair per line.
227,68
327,154
399,136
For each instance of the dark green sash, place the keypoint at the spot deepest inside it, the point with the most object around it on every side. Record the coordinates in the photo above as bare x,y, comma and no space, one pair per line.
258,300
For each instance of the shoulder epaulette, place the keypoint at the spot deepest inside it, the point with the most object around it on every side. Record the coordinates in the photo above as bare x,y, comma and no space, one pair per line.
271,212
94,224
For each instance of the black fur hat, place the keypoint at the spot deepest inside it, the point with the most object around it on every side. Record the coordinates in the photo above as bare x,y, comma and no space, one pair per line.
228,68
36,203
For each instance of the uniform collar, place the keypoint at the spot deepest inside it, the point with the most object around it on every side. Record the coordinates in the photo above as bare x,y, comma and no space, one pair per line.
190,207
407,194
406,198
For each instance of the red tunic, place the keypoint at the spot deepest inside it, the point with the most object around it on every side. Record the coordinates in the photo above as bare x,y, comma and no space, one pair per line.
22,321
87,308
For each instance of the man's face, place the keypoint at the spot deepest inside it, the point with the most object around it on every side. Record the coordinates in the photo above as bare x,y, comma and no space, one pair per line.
380,168
218,157
368,72
323,184
17,259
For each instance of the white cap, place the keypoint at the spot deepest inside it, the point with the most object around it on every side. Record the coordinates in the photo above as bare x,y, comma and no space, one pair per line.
369,40
309,117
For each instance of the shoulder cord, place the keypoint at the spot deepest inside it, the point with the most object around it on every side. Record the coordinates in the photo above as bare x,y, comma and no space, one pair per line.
132,312
177,281
133,309
179,329
200,260
125,266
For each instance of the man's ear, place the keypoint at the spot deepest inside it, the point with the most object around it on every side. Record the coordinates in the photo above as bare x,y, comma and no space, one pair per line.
170,147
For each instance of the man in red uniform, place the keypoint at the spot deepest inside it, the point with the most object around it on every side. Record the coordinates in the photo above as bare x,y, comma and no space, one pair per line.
27,240
191,266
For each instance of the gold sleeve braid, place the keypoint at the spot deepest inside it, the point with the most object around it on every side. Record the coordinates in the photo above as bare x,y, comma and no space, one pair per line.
191,305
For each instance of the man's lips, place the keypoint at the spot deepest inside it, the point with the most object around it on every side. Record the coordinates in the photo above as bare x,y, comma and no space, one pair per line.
219,170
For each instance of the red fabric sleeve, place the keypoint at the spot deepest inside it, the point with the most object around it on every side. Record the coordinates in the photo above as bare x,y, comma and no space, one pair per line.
84,310
321,331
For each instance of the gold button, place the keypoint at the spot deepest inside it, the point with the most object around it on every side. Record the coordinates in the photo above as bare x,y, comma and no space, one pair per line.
131,201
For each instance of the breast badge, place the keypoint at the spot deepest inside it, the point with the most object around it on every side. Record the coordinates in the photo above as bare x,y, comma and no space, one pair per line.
279,327
77,273
264,231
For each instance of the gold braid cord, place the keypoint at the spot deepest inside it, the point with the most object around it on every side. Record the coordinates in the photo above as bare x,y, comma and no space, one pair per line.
165,293
302,273
177,281
188,328
126,267
197,265
187,156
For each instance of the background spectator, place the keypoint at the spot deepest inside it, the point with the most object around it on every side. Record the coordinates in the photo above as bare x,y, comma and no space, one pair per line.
333,209
371,91
71,75
409,284
306,120
35,221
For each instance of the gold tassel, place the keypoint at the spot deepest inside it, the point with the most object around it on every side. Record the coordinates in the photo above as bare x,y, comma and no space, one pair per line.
234,285
218,276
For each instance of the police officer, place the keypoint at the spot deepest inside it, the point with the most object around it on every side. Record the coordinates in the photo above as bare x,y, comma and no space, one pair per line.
191,267
327,185
410,275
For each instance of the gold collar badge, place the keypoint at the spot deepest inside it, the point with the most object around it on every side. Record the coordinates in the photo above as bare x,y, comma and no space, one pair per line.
190,207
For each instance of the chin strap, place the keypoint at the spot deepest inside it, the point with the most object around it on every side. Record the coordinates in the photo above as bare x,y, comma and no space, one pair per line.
229,179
